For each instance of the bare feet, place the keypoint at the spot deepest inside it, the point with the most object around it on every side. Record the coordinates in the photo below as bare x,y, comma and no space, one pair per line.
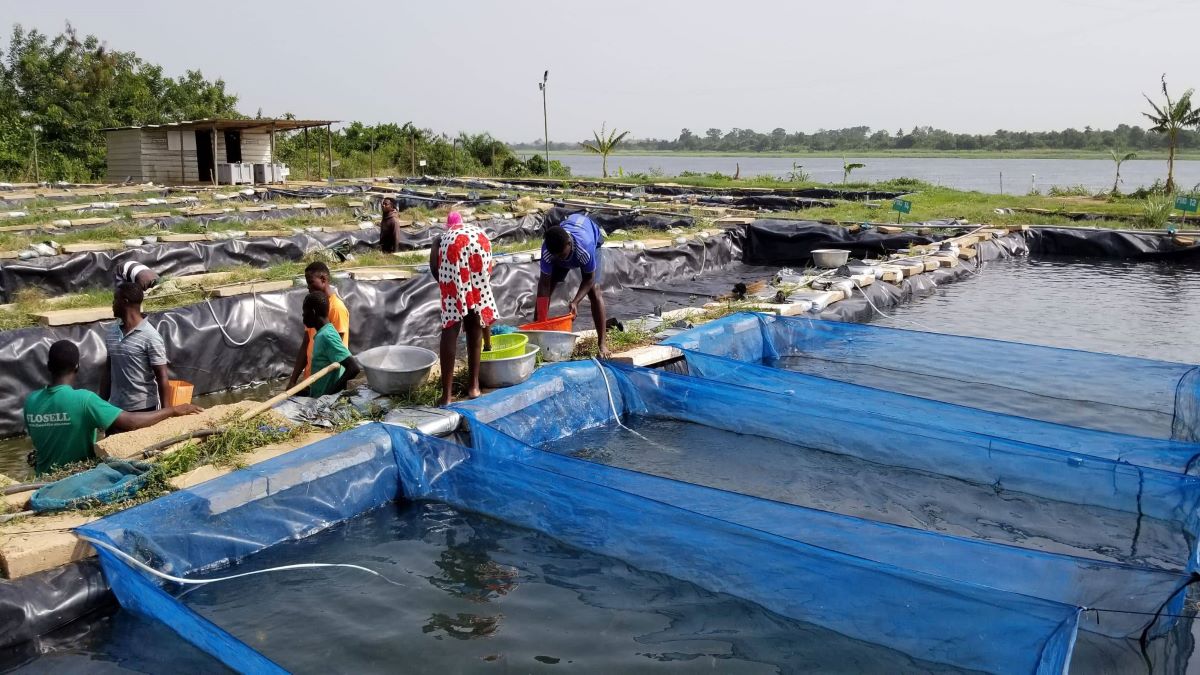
445,401
474,393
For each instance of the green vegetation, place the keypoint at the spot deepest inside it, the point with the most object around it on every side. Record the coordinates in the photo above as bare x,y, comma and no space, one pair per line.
1119,158
848,167
72,87
603,144
1171,120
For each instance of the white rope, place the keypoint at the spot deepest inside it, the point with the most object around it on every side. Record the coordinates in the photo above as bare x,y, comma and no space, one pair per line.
866,297
253,325
196,582
611,403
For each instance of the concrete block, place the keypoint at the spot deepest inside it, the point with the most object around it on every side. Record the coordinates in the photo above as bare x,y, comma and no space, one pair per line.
40,543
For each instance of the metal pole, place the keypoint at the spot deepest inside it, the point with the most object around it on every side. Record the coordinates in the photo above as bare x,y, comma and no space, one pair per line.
372,155
1001,182
214,154
273,151
546,122
329,135
37,174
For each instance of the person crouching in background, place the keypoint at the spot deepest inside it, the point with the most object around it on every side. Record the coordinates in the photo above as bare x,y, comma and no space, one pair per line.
461,262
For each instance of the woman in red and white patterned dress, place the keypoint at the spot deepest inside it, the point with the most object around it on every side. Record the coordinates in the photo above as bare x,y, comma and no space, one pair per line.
461,261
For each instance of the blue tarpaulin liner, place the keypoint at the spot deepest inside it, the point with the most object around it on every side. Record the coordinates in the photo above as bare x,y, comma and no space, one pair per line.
919,615
1109,572
741,349
1141,397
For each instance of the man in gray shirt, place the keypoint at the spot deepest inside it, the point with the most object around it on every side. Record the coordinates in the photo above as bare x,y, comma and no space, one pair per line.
136,377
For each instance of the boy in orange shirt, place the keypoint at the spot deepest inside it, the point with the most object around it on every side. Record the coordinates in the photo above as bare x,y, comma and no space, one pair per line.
316,275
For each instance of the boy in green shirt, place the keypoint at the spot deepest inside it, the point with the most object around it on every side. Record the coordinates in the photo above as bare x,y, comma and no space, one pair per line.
62,421
327,348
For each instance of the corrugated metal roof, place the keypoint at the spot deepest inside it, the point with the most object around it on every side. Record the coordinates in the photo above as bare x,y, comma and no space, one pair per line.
245,125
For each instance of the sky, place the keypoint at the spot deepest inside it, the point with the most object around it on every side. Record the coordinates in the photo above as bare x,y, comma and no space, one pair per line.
654,67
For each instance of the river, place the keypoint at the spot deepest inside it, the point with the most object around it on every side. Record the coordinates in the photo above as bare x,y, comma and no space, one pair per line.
1019,176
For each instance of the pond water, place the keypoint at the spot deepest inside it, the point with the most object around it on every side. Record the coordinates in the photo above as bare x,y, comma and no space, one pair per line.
479,595
841,483
995,175
1145,309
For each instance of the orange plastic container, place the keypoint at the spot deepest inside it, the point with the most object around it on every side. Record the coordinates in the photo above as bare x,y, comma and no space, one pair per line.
178,393
561,323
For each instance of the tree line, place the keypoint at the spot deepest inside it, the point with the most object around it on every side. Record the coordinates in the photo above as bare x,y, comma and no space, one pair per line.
62,90
57,92
863,138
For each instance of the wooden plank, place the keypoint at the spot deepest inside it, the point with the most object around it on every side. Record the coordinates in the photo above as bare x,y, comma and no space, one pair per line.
931,264
68,317
89,246
183,237
648,355
787,309
966,253
256,287
888,229
380,273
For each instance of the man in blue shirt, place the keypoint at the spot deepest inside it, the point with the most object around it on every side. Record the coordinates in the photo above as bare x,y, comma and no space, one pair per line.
573,244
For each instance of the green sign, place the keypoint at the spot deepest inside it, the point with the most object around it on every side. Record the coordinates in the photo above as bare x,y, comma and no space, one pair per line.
1187,203
905,206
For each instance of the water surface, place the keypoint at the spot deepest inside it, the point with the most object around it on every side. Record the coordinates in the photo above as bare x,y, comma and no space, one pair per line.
483,596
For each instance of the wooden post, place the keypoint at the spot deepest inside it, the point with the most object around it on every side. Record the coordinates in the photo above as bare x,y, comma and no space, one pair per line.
214,154
273,147
329,135
307,168
182,165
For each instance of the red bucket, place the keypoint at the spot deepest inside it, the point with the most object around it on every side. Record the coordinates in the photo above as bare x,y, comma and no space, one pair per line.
559,323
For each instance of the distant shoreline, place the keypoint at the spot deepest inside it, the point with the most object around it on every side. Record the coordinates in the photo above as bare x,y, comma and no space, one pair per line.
908,154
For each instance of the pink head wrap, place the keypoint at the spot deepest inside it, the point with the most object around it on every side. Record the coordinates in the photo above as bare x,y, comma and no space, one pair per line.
453,219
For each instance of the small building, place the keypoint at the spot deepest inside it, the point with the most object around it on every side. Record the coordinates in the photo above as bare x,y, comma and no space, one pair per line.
212,151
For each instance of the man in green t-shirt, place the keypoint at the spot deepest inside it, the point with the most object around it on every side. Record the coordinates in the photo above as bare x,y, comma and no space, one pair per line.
62,421
327,348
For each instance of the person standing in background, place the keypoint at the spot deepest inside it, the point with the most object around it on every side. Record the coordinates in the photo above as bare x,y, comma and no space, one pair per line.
389,227
317,275
135,378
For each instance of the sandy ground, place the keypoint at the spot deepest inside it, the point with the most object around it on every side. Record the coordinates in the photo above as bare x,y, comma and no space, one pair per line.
131,443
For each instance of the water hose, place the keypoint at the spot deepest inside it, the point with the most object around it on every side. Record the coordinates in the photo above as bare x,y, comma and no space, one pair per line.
198,582
253,325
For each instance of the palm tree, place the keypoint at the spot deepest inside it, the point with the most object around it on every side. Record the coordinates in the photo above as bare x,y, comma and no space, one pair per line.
847,167
1170,119
1119,158
603,145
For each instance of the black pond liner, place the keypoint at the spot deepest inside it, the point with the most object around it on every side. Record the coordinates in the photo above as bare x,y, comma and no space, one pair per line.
407,311
16,203
59,275
611,220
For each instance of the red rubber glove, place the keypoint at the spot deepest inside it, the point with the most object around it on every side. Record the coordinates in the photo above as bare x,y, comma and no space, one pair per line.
542,311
